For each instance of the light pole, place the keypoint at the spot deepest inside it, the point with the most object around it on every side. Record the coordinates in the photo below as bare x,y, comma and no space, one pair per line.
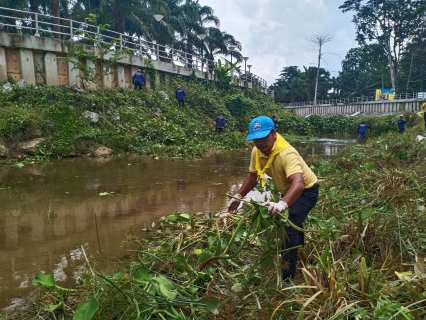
231,48
245,71
158,17
249,66
202,36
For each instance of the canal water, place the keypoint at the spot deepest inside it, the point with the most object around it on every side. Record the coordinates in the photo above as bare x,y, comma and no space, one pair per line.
51,212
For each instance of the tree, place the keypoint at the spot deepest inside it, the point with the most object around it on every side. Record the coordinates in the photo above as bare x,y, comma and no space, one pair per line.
56,11
390,23
296,86
222,74
189,20
319,40
364,69
217,42
291,86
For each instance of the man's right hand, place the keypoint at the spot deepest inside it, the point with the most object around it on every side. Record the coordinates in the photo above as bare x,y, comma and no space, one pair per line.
234,203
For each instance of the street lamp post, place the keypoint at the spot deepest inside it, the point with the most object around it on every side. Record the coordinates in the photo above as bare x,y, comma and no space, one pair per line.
157,17
202,36
249,66
245,71
231,48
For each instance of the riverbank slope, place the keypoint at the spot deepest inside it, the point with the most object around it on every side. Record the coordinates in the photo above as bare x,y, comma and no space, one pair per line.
40,123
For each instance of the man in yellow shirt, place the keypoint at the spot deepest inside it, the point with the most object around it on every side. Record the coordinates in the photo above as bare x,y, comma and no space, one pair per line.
424,112
298,185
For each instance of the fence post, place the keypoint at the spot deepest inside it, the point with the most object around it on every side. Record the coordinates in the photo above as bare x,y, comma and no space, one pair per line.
121,41
140,47
36,25
71,32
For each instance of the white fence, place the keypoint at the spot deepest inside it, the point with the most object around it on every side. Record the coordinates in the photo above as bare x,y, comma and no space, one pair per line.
40,25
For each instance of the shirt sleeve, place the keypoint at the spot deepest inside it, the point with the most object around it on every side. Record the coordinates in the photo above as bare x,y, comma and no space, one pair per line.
292,164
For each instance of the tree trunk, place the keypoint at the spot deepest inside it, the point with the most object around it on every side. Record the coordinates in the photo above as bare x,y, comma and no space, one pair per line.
318,70
34,5
119,24
409,73
56,15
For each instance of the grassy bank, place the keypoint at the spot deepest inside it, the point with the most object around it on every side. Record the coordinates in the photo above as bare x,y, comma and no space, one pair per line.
363,257
139,122
146,123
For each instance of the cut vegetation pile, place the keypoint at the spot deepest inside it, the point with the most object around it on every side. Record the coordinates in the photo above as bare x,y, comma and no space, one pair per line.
363,257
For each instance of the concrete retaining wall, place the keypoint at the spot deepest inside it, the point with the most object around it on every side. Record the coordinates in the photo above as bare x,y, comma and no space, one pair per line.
370,107
37,60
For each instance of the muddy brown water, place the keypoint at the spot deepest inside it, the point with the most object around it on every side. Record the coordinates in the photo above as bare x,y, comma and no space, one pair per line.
50,211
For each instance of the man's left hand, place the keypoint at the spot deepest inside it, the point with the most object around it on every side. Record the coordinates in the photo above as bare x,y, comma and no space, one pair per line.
276,207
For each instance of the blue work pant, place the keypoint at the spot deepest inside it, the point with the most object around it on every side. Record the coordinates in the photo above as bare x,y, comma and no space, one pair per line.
298,212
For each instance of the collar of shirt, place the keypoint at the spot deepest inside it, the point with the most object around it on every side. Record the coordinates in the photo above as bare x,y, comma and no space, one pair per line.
262,155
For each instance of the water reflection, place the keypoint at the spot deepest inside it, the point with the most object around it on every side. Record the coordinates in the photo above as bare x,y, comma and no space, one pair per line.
325,147
51,211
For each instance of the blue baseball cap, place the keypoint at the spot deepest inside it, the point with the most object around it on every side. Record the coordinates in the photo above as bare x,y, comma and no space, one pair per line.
260,127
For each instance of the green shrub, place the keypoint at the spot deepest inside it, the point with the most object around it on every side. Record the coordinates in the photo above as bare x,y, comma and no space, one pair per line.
15,122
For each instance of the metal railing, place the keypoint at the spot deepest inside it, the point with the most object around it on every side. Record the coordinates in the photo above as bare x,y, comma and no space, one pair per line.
345,101
41,25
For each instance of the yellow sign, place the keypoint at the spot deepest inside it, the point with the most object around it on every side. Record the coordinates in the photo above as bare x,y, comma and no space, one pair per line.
385,94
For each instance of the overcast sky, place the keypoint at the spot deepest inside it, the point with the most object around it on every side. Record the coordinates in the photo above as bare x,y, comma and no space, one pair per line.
273,32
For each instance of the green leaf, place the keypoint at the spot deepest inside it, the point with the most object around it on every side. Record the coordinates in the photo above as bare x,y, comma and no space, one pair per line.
180,260
142,275
87,310
237,287
104,194
46,280
172,218
267,261
185,216
53,307
204,256
165,287
212,305
264,212
325,256
118,276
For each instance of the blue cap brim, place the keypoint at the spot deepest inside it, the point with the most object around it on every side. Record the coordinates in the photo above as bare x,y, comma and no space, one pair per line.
257,135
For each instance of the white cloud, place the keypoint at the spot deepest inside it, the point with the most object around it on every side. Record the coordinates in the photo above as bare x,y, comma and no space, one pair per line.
273,32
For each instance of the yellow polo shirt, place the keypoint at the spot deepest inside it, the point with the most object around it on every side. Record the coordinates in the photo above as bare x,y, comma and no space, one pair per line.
286,163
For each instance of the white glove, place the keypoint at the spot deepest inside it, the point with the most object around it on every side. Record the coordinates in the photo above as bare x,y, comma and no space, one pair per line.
234,203
276,207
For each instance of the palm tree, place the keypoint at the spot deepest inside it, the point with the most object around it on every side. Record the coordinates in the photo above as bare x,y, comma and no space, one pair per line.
217,42
189,20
